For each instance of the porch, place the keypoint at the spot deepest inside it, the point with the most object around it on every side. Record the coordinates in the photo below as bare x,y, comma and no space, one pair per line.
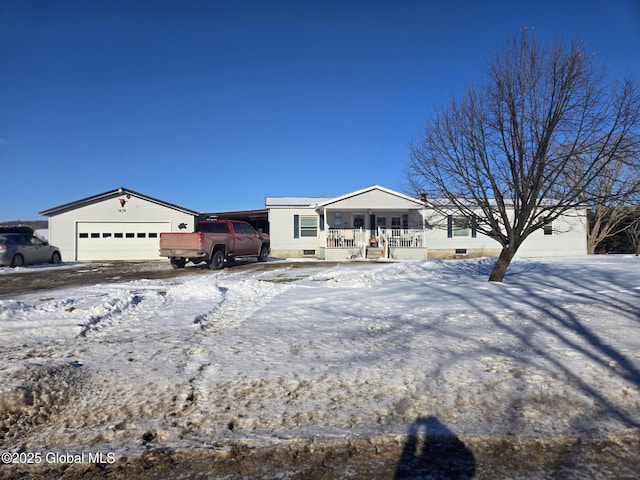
390,243
372,223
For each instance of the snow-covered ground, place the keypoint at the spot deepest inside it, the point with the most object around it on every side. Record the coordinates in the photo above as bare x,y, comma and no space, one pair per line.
258,358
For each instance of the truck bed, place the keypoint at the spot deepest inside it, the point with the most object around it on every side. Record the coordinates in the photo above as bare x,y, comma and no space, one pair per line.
181,244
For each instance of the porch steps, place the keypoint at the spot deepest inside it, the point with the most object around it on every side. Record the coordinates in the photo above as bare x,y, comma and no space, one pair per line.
374,253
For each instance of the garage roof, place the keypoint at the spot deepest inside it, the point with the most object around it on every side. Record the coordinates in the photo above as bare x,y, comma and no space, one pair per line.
118,192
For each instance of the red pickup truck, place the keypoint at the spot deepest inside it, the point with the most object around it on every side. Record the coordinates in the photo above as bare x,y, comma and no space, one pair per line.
214,242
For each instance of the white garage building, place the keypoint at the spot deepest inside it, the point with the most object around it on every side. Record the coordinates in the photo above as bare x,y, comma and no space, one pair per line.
117,225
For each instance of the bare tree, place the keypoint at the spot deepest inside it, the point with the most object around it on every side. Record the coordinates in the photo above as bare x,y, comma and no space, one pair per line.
506,152
633,229
610,195
608,219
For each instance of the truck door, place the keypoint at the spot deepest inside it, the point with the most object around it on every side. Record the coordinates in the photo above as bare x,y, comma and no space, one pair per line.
254,242
242,244
247,240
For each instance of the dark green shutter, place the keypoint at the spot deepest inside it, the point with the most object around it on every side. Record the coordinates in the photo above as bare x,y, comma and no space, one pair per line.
449,226
296,226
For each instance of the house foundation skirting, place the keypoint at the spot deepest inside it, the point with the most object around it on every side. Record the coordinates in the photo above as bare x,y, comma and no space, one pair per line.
355,253
296,253
393,253
452,253
400,253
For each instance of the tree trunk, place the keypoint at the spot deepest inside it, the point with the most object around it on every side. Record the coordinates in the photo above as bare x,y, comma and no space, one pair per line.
500,268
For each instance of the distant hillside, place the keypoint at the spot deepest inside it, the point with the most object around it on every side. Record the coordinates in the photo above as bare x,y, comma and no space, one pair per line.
34,224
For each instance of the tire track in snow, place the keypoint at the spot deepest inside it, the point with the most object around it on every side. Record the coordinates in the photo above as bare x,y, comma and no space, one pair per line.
240,299
112,308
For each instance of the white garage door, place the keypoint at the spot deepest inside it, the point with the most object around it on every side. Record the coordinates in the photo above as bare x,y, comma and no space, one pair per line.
119,241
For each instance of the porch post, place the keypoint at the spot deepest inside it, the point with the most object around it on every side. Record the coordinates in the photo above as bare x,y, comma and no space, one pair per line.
325,233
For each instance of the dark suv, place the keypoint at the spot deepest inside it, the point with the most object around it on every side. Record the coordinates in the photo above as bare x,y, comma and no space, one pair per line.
18,249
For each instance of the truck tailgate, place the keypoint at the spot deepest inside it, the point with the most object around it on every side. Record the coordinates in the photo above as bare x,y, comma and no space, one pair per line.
181,241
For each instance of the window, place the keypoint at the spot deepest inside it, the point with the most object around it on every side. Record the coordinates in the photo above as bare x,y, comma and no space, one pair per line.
130,235
461,251
461,226
36,241
337,222
305,226
248,229
84,235
153,235
95,235
106,235
396,222
117,235
213,227
238,228
308,226
308,252
142,235
548,229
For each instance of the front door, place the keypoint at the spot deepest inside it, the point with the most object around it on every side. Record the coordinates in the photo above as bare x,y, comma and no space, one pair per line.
372,225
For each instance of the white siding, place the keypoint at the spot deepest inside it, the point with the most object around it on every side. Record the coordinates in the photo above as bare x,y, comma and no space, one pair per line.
281,232
568,239
63,230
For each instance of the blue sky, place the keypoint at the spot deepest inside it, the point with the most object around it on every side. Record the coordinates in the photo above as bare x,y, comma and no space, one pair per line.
213,105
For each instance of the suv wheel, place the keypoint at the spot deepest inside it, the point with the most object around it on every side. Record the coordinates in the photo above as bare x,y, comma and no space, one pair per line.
18,261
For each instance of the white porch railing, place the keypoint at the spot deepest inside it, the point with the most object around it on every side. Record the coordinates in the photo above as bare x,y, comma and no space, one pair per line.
345,238
403,237
392,237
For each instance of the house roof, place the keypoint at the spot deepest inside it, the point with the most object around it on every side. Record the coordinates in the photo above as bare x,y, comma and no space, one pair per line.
328,202
318,202
118,192
293,201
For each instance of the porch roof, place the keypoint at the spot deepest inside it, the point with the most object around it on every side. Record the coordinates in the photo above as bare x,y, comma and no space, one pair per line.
374,197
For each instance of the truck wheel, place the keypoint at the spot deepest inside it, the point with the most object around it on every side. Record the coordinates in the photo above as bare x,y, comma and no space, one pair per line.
217,260
264,254
178,262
